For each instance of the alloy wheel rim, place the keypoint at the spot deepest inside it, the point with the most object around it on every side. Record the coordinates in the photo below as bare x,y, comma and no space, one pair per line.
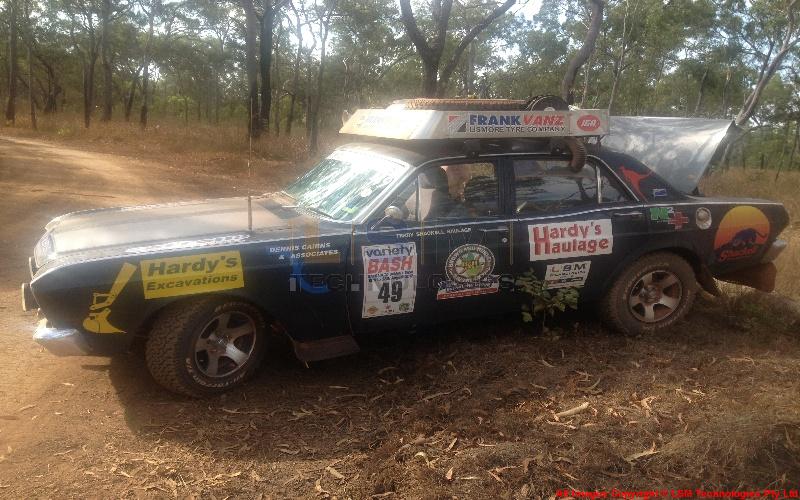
655,296
225,344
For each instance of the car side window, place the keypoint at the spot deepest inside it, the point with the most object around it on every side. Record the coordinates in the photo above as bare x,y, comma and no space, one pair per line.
548,185
611,190
464,190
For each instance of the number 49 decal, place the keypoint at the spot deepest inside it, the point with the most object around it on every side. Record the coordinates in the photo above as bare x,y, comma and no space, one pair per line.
396,292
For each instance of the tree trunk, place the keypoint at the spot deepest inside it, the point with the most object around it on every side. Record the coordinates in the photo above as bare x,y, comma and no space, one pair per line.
88,88
309,94
277,78
131,95
701,93
11,110
295,84
613,94
790,166
314,139
105,57
30,90
143,114
724,105
251,63
267,20
430,78
585,51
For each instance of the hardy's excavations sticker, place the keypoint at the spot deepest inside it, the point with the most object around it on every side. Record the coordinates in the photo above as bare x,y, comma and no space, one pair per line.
390,279
469,269
570,239
567,274
190,274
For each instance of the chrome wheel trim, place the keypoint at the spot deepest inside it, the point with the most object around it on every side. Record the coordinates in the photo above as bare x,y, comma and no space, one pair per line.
225,344
655,296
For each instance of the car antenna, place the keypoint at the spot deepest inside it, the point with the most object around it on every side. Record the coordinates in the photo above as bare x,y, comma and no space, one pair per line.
250,172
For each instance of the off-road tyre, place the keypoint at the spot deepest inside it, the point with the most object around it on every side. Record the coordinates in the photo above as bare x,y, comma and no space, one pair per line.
171,345
616,309
546,101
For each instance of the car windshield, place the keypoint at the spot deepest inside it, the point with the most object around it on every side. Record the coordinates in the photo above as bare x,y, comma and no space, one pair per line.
341,185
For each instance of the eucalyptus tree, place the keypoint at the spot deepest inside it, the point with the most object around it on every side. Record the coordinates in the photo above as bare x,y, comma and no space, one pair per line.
430,33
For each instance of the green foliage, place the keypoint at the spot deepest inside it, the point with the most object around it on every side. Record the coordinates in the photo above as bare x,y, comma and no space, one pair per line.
543,301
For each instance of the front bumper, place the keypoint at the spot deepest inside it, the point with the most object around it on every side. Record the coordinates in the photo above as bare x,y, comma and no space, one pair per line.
61,342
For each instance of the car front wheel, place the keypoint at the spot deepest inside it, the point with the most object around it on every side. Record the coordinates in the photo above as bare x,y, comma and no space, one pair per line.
205,346
652,293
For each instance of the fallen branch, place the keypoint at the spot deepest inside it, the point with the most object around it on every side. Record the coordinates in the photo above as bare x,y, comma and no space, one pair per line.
573,411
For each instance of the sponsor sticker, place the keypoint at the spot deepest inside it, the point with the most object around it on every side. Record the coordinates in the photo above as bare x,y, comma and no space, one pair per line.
570,239
589,123
390,279
513,122
660,192
567,274
96,320
742,232
469,271
191,274
674,218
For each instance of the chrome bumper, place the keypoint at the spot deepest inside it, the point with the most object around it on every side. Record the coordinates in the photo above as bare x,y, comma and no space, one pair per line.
61,342
773,251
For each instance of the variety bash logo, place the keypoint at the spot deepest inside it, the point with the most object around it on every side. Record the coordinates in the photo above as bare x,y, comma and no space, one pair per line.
390,279
674,218
469,269
570,239
567,274
190,274
741,233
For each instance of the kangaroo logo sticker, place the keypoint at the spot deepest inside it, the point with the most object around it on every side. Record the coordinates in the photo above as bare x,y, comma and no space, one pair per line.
741,234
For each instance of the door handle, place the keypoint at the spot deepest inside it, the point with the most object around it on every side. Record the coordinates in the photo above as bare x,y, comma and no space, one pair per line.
630,215
503,229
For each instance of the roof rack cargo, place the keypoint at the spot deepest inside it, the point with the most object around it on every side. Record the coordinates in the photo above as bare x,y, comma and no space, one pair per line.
423,119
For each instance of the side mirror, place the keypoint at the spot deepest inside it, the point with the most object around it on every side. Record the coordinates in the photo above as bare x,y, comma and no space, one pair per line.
392,216
393,212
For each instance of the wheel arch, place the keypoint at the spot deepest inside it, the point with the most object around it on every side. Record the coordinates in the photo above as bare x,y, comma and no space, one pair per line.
271,321
701,272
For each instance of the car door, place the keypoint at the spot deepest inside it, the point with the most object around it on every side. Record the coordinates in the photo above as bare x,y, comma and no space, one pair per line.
448,257
572,227
465,247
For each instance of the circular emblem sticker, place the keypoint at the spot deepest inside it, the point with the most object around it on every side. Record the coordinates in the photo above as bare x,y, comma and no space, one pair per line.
469,263
589,123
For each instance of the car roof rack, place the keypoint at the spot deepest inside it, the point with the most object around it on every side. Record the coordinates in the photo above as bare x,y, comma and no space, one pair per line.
437,119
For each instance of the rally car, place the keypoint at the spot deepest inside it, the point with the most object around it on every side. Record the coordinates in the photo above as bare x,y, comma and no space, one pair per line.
431,213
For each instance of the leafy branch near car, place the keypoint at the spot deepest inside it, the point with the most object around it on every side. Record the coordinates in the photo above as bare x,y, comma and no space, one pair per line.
544,301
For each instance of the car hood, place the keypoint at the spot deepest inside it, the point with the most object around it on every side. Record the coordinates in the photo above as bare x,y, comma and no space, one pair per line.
175,225
677,149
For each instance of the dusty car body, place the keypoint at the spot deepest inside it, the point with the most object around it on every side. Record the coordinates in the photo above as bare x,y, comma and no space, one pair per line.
387,233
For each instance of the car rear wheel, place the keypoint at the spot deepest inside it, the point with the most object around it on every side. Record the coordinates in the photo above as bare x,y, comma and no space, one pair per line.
652,293
205,346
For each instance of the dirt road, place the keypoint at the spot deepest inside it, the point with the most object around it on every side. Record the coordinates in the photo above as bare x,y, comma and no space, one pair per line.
466,411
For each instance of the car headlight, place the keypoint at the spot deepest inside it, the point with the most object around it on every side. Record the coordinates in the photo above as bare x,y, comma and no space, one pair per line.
43,252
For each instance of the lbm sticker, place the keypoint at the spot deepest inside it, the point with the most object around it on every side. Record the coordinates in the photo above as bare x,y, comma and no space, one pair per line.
191,274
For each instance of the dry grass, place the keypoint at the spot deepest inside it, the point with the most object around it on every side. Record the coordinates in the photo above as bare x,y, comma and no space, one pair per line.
199,145
762,184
